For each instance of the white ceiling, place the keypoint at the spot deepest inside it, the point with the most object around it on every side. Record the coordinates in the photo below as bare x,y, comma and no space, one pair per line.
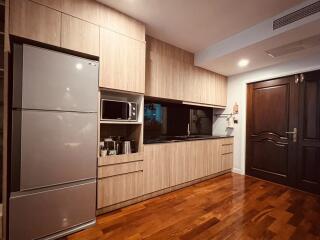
216,30
195,24
227,64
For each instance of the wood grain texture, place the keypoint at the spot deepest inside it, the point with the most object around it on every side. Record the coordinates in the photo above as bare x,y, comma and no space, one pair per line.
104,16
122,62
231,206
156,194
156,167
116,21
79,35
183,161
24,22
227,161
225,151
119,188
122,158
119,169
170,73
87,10
55,4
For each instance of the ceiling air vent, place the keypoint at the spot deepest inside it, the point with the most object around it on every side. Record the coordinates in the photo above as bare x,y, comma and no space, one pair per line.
297,46
297,15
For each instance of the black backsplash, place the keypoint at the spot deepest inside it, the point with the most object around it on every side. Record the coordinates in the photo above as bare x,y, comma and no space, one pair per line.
163,119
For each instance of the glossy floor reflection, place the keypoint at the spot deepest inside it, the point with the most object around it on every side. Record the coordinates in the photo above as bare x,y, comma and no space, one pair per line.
231,206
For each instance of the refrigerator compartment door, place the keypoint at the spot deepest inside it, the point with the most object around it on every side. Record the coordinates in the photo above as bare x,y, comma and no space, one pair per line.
50,80
44,213
56,148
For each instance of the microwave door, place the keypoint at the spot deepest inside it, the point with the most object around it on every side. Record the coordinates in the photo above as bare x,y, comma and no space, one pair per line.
125,111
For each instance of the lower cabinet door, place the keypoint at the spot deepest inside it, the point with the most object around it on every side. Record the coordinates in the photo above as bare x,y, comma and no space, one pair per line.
226,153
120,188
227,161
157,159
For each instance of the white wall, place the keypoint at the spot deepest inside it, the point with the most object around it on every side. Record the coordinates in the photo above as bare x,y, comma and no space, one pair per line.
237,91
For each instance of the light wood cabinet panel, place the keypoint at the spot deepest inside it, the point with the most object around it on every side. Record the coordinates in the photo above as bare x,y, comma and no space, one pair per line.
122,62
185,161
84,9
118,169
214,162
180,168
34,21
122,158
79,35
226,153
163,77
121,23
171,74
156,168
221,91
227,161
119,188
168,70
55,4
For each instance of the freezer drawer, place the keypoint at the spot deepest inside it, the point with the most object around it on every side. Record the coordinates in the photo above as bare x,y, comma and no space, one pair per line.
50,80
44,213
52,148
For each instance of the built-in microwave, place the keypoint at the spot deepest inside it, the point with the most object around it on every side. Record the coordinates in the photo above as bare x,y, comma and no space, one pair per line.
118,110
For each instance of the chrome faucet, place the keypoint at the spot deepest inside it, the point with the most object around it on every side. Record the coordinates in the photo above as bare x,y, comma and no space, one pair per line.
188,131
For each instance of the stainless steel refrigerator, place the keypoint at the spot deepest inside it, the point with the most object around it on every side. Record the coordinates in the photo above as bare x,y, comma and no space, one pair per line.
53,143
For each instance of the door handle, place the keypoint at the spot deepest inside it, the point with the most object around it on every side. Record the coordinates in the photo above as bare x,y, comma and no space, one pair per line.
294,134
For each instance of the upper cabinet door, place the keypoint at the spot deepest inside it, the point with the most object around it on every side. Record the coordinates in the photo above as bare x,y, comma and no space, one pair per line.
55,4
34,21
84,9
79,35
121,23
122,62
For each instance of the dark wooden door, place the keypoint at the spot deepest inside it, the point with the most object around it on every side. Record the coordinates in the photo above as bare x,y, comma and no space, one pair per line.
274,108
272,111
308,166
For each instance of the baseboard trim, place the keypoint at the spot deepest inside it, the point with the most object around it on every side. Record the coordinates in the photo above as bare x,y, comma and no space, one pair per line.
157,193
238,171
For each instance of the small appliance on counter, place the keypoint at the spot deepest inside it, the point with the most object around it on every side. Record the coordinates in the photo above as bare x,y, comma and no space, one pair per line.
113,110
116,145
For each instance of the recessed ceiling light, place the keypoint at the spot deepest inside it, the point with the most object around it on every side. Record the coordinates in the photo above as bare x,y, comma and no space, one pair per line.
243,62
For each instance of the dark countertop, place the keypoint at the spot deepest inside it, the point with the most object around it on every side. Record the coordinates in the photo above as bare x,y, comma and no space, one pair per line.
174,139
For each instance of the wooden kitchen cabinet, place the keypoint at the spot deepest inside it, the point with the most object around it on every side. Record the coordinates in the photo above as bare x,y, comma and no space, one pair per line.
170,73
226,153
164,78
87,10
156,170
55,4
170,164
34,21
167,71
122,62
119,188
79,35
180,166
121,23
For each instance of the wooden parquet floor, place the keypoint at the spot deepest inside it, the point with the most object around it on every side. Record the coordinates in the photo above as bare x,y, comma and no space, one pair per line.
229,207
